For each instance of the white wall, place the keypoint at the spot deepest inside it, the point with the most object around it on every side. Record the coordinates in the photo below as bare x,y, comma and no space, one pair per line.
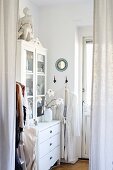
33,11
57,28
61,30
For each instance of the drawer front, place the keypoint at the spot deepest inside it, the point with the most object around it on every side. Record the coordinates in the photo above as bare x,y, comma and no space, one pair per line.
54,155
54,130
44,135
54,141
44,148
48,145
50,159
44,163
49,132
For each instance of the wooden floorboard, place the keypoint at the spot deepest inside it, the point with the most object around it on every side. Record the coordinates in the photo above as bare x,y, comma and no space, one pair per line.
80,165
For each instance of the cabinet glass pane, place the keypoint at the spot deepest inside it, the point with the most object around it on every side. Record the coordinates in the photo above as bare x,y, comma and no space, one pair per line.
40,106
29,84
29,61
40,85
40,63
30,107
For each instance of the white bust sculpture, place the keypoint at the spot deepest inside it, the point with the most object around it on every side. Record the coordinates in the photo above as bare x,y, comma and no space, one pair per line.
25,29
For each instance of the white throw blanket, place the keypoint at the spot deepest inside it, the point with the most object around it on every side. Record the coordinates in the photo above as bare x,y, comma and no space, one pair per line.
29,140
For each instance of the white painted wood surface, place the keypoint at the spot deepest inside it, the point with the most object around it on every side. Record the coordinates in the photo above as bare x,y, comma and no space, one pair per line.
48,144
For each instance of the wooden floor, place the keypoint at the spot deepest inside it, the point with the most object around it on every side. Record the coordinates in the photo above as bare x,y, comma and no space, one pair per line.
80,165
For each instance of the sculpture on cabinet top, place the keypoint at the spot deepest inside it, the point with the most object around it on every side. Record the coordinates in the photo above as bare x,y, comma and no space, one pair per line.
25,28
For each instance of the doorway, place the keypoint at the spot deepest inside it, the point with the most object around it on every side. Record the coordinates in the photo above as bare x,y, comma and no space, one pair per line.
86,94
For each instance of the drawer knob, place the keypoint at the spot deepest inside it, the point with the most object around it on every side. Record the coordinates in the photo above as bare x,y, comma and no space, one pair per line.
50,144
50,131
51,157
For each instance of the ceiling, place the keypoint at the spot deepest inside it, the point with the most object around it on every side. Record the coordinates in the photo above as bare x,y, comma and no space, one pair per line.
57,2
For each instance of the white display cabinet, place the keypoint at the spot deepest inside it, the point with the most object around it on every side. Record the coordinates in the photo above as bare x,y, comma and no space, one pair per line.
31,72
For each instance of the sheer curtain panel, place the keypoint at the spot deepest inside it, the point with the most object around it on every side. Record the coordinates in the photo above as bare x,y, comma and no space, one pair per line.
101,157
8,22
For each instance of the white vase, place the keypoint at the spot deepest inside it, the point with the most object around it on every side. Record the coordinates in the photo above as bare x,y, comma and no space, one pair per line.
48,115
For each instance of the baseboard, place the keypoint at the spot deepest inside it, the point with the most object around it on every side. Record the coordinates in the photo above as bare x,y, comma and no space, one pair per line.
83,159
70,162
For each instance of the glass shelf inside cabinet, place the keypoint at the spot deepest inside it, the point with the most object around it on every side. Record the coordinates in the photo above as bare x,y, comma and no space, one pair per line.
40,106
29,85
30,107
40,63
29,61
40,85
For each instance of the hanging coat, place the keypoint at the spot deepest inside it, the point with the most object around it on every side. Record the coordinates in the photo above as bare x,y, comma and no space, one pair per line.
70,127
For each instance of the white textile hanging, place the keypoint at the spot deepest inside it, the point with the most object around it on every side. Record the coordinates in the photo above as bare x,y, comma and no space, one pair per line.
69,125
70,144
101,157
8,21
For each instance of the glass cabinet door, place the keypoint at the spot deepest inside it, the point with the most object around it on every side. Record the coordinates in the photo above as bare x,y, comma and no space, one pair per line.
40,85
29,61
29,81
40,64
29,85
40,106
30,107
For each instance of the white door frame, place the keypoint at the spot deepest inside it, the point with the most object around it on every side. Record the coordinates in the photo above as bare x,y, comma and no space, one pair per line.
85,117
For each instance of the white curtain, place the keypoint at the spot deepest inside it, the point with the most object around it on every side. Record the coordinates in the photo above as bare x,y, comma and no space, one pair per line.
8,21
101,157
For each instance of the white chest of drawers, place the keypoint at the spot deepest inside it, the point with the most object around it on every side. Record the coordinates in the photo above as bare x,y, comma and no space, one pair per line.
48,144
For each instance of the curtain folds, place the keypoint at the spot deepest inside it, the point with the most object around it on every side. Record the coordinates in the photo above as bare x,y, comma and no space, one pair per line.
101,157
8,22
